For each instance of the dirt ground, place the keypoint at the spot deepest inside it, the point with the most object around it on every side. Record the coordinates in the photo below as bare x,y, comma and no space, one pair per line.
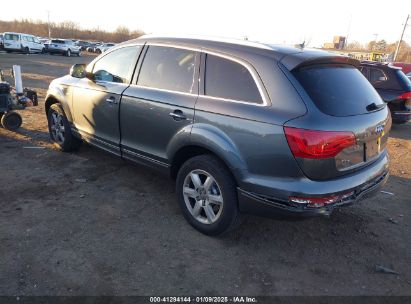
88,223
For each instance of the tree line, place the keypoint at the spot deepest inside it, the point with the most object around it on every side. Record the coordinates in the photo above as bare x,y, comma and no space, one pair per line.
404,55
68,30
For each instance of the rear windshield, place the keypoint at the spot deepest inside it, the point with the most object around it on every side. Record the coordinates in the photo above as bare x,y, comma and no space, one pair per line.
339,90
57,41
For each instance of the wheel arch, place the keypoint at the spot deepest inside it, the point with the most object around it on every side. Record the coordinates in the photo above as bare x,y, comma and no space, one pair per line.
210,140
53,99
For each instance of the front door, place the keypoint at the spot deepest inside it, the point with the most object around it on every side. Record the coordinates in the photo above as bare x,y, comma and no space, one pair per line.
96,102
158,109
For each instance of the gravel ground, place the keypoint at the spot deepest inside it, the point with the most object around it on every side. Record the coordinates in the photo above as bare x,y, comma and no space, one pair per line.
87,223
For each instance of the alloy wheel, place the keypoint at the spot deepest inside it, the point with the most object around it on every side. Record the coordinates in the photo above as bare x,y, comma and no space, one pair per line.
203,197
57,128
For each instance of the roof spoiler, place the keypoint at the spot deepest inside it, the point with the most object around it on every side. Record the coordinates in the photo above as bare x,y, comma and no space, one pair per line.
300,60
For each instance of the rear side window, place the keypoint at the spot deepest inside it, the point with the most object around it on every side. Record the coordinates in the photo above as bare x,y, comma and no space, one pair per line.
229,80
377,75
11,37
338,90
169,68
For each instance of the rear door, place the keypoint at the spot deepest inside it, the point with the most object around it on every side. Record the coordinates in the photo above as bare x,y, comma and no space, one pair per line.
96,102
12,41
159,106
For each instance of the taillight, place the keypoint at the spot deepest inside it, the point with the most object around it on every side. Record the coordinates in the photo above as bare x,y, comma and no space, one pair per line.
317,144
406,95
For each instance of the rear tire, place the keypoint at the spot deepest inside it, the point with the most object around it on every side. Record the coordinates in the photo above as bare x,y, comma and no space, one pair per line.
11,121
60,130
207,195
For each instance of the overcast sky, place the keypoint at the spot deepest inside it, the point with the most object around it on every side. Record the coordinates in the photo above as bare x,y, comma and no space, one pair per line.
286,22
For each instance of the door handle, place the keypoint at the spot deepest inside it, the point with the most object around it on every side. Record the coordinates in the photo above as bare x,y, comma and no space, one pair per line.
111,100
178,115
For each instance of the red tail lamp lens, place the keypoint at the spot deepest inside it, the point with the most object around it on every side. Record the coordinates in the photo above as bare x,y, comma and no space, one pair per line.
317,144
406,95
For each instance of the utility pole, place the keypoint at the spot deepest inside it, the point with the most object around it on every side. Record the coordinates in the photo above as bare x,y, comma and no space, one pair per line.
375,42
348,33
48,23
402,35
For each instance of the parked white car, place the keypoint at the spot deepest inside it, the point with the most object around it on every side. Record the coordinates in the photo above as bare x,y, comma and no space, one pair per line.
104,47
19,42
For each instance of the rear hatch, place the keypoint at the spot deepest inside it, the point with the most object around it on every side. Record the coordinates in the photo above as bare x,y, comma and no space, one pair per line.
347,123
57,44
404,98
11,41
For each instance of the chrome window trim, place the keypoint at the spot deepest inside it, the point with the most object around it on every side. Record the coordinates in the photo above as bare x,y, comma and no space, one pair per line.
251,70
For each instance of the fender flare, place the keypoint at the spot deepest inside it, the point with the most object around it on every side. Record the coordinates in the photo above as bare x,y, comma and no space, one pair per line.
56,94
213,139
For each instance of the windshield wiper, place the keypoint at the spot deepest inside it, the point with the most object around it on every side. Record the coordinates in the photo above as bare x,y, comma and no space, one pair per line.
373,106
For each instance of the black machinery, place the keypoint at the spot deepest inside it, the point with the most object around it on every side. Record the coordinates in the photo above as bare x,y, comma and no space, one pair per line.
14,98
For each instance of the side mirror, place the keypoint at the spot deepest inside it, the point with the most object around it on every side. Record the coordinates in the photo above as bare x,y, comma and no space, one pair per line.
78,71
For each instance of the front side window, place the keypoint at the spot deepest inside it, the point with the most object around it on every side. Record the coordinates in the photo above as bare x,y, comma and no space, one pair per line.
117,66
169,68
228,79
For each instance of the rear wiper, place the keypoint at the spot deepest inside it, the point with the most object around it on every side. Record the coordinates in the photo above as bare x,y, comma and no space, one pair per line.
374,107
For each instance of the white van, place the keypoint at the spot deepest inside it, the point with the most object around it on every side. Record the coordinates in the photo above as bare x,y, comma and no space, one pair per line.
22,42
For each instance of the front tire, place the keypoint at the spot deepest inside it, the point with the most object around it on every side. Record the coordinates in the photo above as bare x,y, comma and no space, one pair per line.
207,195
60,130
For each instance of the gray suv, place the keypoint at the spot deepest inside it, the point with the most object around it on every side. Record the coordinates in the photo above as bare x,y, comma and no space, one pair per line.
63,46
242,127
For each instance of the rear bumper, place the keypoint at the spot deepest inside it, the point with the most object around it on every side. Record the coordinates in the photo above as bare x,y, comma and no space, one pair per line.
55,51
364,185
401,116
252,203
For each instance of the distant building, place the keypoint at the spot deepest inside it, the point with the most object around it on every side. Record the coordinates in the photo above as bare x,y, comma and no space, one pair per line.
337,44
